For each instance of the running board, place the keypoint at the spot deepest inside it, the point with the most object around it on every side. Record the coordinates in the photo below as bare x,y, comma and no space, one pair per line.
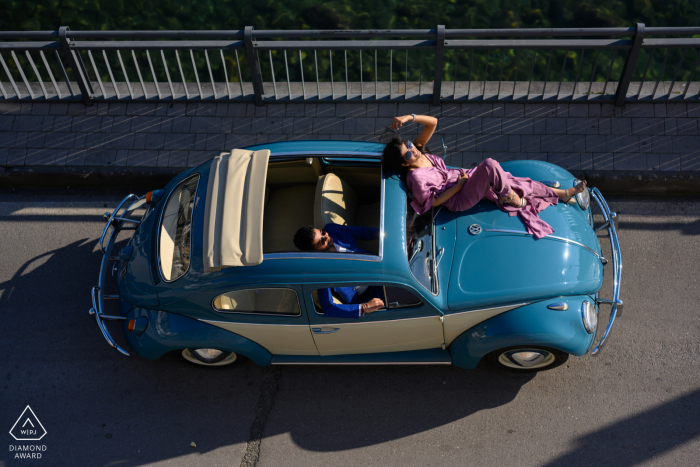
412,357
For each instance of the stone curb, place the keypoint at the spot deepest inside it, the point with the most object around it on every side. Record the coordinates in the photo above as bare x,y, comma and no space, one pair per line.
607,181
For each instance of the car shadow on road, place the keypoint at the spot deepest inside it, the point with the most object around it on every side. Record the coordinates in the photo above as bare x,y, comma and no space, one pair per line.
638,438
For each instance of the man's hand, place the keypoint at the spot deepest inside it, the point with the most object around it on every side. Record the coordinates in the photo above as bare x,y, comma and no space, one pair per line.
374,305
399,121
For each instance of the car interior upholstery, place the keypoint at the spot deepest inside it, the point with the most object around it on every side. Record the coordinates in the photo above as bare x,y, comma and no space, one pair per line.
304,192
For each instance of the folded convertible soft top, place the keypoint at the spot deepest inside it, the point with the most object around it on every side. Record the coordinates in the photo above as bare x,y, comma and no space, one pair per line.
233,217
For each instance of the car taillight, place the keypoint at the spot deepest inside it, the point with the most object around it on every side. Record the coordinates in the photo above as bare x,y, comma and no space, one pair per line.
137,326
152,197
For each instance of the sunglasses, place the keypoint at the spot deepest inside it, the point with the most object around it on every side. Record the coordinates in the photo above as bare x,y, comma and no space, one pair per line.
323,240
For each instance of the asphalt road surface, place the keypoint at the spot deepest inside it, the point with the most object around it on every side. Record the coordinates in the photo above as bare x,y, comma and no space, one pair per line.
636,404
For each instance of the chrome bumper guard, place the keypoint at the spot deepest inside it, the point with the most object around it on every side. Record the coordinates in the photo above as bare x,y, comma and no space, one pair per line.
616,303
117,222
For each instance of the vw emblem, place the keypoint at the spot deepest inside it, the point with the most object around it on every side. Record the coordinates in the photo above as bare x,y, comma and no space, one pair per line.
475,229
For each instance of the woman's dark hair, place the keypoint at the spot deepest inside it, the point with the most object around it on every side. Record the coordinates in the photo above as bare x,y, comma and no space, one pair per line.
304,238
392,160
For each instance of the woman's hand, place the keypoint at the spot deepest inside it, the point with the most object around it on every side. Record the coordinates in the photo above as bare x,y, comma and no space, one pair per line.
463,177
399,121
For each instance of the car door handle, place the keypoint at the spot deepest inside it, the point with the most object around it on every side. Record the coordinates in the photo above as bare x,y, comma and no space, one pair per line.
324,330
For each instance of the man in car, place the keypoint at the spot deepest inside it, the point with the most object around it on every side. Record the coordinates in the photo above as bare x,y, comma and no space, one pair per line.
356,301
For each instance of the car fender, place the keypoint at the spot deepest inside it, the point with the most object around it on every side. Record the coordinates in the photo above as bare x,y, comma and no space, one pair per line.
169,331
532,324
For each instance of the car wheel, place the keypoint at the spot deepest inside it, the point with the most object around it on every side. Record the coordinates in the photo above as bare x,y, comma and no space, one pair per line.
526,358
211,358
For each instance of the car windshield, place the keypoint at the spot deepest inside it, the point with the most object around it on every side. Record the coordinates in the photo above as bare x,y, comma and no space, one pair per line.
174,241
420,245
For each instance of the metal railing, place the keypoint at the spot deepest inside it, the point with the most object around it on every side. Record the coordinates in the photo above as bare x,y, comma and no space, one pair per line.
520,65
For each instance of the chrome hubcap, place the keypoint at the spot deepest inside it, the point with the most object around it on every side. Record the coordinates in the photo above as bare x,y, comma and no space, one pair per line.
526,359
209,357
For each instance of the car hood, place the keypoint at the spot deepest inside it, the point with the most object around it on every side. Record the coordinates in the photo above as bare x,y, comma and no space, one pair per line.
502,265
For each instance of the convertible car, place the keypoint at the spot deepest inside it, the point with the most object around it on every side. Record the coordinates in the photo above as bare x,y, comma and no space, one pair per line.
212,274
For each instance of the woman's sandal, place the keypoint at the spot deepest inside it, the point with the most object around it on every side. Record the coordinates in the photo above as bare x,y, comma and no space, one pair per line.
571,199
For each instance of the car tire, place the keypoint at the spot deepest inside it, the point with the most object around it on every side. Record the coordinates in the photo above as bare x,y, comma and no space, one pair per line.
196,357
526,358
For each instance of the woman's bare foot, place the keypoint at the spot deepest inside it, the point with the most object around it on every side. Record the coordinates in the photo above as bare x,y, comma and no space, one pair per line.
568,194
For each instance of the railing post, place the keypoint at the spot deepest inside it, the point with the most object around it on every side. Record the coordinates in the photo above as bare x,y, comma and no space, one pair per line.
78,71
627,71
439,53
254,64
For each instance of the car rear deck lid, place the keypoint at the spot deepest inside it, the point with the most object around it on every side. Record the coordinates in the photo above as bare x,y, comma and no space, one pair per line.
233,215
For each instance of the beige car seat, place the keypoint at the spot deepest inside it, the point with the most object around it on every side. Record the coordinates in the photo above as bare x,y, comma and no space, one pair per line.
337,203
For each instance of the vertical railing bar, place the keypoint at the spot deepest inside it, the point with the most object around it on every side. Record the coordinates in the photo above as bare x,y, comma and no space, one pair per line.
561,78
254,65
469,82
362,84
182,75
546,74
646,70
97,75
454,87
607,78
663,67
12,81
272,72
578,72
301,67
196,75
65,75
167,75
36,72
405,78
500,78
153,73
347,85
111,76
630,64
289,83
675,75
138,72
375,74
318,86
595,66
228,85
211,75
517,70
532,70
240,76
2,90
420,75
126,77
439,60
692,73
391,73
21,73
330,58
486,70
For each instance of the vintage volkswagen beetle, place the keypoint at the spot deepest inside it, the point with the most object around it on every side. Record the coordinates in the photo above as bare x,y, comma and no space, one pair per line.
211,271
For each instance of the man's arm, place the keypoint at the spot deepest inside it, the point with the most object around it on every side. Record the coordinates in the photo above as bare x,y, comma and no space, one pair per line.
334,310
363,233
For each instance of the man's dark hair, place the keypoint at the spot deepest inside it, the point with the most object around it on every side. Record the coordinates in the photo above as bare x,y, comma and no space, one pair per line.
304,238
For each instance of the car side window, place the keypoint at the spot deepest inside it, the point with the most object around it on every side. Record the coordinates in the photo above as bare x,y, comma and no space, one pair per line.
283,302
393,297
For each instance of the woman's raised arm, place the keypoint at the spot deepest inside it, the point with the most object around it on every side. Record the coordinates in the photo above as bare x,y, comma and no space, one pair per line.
430,123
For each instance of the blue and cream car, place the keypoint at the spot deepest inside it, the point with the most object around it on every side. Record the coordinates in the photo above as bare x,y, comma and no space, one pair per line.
211,271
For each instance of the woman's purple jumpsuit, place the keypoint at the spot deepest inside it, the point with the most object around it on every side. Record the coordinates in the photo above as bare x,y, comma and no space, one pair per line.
487,180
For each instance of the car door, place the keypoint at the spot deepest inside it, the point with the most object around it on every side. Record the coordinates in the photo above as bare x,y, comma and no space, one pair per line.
409,324
272,316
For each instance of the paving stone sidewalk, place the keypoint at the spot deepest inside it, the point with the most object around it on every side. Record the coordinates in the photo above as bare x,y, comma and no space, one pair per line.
652,137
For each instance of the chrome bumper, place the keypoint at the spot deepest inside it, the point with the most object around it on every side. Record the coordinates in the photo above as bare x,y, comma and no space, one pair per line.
616,303
117,222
